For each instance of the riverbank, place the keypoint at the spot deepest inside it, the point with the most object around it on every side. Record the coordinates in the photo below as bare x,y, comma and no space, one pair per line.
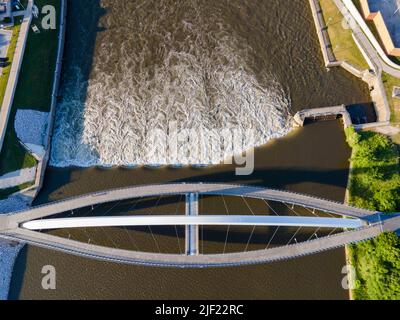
374,183
8,254
36,93
9,251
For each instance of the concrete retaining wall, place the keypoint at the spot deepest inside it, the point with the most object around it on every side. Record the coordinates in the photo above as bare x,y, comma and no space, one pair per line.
41,169
301,116
323,36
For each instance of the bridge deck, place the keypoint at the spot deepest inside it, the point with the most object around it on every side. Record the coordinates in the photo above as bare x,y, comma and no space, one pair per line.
12,220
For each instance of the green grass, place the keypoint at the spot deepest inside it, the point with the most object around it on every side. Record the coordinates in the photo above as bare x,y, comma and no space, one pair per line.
33,90
375,184
10,55
377,267
343,45
394,103
375,178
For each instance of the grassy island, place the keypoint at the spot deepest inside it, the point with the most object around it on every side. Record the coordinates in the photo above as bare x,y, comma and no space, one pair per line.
375,184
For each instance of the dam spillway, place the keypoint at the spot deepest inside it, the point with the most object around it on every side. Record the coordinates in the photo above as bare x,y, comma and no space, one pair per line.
186,66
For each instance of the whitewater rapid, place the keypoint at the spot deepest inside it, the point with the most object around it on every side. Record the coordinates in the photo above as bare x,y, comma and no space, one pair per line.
195,74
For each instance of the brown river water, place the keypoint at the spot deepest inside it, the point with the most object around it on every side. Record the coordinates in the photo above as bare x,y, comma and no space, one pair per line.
275,42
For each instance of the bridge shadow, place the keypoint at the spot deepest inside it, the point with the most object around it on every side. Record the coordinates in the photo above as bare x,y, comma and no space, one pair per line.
292,180
83,19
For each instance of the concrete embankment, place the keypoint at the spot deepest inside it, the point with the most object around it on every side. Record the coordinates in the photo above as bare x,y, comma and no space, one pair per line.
43,161
323,36
326,113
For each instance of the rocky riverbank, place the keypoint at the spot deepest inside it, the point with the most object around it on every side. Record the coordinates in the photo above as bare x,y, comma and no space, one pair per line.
9,250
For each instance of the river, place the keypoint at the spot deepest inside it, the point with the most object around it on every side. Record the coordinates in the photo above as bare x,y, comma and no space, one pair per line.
276,43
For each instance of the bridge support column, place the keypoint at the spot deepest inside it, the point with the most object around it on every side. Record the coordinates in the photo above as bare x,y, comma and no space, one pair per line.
192,231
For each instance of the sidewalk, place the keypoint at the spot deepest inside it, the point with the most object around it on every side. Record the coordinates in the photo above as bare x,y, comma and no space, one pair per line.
17,178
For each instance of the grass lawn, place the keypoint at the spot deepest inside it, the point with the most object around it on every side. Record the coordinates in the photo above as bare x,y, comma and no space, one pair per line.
375,185
10,55
389,82
343,45
33,90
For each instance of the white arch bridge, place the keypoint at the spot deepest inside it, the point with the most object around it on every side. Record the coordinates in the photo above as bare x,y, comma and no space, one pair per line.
361,224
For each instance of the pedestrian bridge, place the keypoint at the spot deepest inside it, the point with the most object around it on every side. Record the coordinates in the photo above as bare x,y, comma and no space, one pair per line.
359,224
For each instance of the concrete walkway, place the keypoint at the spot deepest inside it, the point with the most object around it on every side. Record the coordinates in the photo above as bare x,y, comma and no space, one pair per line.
390,131
17,178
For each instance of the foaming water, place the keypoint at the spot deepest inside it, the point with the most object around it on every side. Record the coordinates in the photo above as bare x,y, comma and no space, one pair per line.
162,62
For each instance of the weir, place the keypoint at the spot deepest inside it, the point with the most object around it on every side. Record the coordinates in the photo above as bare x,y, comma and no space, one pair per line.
327,113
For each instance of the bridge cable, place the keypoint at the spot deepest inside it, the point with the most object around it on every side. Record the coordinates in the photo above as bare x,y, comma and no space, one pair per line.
298,229
277,227
315,233
330,233
294,235
176,229
102,228
151,231
291,209
254,227
273,236
312,212
269,206
85,229
227,231
131,240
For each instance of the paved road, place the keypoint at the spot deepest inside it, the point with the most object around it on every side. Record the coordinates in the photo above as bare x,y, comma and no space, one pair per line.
367,45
